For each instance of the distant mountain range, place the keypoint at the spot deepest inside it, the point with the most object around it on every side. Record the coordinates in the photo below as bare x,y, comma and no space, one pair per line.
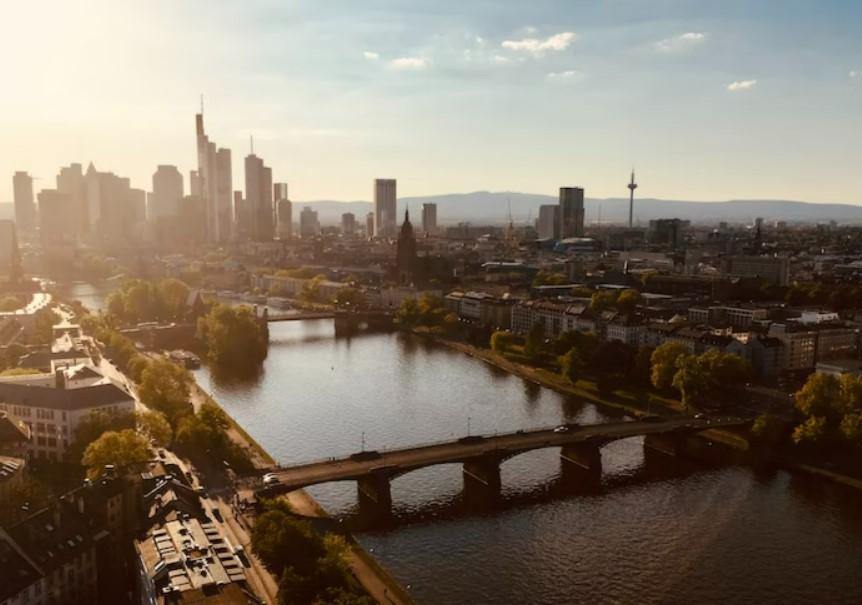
493,208
489,208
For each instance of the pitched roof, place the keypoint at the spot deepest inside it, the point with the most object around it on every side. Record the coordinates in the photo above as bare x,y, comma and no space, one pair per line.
63,399
16,572
10,431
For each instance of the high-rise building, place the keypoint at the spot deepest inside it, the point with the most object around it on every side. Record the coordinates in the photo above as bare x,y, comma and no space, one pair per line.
137,206
549,222
25,206
242,216
194,183
224,195
8,244
57,226
348,223
283,211
258,197
429,219
385,208
369,225
71,182
308,225
108,205
214,182
167,193
571,212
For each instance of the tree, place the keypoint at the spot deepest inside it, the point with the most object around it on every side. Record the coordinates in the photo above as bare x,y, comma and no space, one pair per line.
234,337
725,371
642,366
818,396
767,428
534,339
812,430
664,360
9,303
628,300
501,340
283,542
851,428
571,365
116,448
154,425
691,378
602,300
165,388
851,394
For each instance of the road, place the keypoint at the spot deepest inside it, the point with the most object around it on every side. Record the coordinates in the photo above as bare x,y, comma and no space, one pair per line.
398,461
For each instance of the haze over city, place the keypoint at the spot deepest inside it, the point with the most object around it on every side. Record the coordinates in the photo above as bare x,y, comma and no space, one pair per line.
710,101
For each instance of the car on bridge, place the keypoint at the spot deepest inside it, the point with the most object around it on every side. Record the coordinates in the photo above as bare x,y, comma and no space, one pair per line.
471,439
270,479
561,429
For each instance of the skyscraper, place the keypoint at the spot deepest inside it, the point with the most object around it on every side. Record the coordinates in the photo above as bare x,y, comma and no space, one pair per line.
308,225
369,225
549,222
385,208
429,219
348,223
25,207
194,183
215,182
71,182
283,211
57,228
167,193
571,212
258,198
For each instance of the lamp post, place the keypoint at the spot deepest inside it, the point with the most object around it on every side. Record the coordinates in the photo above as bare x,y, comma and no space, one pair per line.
363,441
468,426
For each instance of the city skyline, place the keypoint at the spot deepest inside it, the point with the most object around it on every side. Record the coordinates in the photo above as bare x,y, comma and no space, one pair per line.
446,101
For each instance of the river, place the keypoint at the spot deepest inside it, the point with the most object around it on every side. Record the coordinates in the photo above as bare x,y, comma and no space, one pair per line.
658,529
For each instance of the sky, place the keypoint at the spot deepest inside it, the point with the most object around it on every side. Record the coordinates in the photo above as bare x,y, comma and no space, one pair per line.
737,99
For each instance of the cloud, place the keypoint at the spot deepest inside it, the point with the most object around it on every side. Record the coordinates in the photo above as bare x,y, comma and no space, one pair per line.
741,85
408,63
370,55
680,42
855,74
564,75
537,47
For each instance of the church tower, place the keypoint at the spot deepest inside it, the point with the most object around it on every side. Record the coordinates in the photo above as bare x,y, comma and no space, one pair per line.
405,260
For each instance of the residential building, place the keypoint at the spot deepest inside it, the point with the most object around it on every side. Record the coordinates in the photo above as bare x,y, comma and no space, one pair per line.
549,221
571,212
25,204
799,350
737,317
308,223
283,211
385,208
626,328
168,192
525,314
53,409
429,218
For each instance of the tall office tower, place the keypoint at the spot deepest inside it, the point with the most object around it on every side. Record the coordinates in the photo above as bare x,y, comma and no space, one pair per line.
224,193
369,225
283,211
194,183
241,216
308,225
214,181
71,182
571,212
429,219
57,225
632,186
168,192
8,244
549,222
108,205
348,223
137,206
25,207
385,208
258,197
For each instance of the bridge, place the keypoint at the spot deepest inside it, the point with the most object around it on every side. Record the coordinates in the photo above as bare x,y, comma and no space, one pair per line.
302,316
482,456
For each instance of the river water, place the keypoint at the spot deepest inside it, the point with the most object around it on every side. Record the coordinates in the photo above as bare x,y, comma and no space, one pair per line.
657,530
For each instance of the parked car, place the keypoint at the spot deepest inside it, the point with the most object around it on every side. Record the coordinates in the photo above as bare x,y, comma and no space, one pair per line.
561,429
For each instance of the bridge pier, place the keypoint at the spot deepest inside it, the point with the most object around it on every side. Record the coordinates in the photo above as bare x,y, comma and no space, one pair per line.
482,475
375,492
672,444
585,455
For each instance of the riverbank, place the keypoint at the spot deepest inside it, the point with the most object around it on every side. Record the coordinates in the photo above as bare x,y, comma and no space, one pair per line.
624,401
379,584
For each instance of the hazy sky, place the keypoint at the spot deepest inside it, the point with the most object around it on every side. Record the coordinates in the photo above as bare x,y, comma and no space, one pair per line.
709,99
